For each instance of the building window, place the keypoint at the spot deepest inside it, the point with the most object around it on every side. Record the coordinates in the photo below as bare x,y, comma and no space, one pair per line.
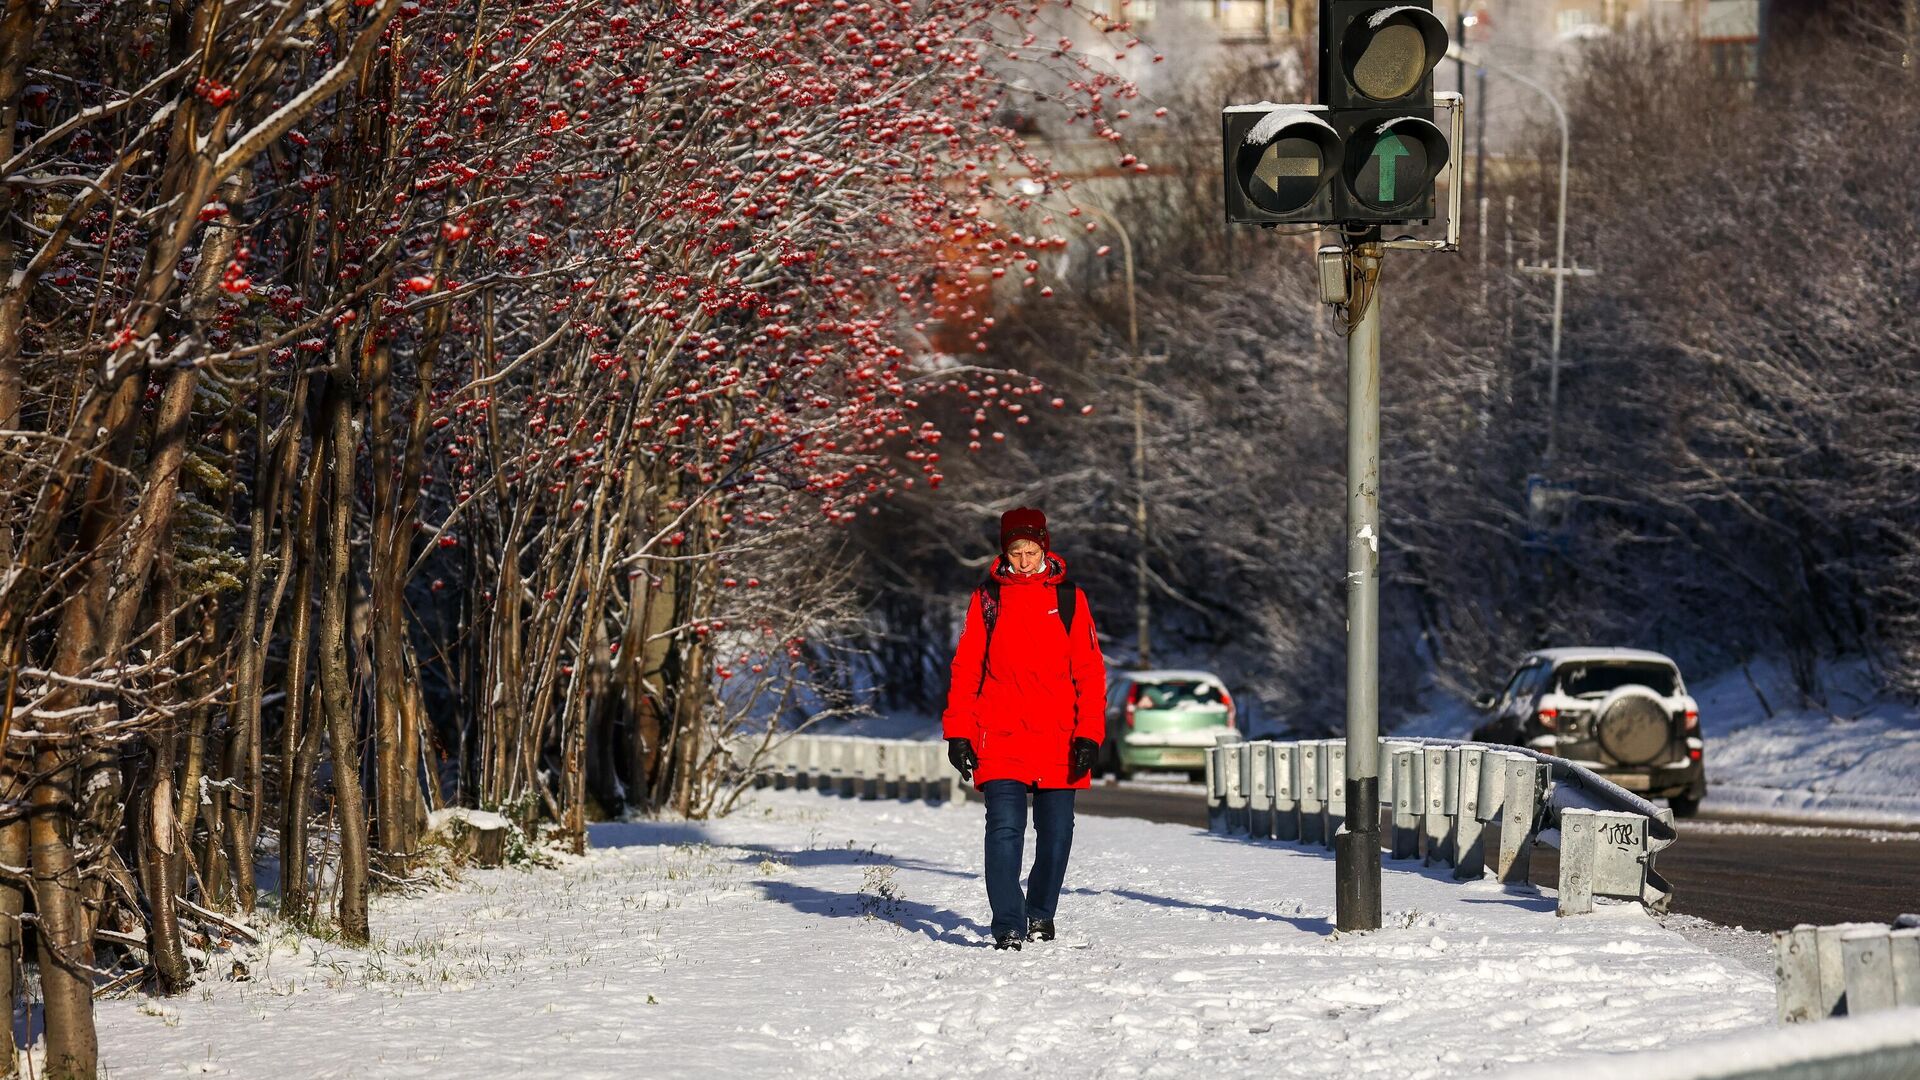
1576,21
1738,19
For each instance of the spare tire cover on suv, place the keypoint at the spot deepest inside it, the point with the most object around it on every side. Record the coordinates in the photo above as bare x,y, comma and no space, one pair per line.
1634,727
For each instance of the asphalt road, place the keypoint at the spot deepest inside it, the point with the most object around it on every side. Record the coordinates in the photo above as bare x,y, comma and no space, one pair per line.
1757,877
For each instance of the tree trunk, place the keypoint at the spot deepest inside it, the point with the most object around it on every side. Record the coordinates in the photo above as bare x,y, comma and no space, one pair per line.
65,948
335,691
13,853
299,745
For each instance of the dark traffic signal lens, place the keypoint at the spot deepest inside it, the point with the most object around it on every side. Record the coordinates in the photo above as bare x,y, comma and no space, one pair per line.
1280,160
1392,64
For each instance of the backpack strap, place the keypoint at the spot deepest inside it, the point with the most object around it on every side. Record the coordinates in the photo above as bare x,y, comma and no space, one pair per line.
989,605
989,592
1066,596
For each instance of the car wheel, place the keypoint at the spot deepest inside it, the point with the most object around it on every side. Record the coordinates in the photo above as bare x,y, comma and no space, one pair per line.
1683,806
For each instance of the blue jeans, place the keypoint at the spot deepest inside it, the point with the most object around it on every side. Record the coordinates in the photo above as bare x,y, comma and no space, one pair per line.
1006,836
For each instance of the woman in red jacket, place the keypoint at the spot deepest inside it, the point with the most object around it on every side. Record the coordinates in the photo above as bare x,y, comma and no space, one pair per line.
1024,715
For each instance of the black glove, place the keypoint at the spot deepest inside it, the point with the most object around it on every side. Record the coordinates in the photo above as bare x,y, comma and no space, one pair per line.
960,752
1081,758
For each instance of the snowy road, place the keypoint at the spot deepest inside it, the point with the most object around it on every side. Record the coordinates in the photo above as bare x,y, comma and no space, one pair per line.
1762,878
813,937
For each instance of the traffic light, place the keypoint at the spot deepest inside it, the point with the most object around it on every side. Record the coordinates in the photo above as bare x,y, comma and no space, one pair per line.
1278,161
1376,78
1369,153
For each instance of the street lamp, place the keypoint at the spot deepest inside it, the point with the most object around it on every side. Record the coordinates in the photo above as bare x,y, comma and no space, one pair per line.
1143,623
1559,270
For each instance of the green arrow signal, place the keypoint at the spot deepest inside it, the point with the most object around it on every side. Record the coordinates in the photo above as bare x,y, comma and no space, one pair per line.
1387,149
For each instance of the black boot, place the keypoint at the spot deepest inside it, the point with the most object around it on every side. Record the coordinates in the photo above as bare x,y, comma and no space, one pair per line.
1040,930
1008,940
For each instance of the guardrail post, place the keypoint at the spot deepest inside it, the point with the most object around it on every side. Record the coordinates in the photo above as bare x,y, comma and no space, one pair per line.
1833,968
1450,847
780,758
879,761
1579,842
903,764
936,781
1333,764
1383,813
1434,809
1905,947
804,759
849,767
1312,798
1285,761
1238,780
1217,788
1796,970
826,764
1520,806
872,775
1409,796
1260,790
1867,970
1469,840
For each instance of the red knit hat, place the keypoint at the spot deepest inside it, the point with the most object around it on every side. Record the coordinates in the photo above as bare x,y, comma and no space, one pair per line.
1024,523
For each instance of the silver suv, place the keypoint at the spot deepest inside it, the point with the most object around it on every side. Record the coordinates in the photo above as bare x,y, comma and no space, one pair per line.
1623,713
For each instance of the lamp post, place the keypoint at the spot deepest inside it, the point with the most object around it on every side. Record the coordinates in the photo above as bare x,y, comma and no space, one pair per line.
1559,270
1140,607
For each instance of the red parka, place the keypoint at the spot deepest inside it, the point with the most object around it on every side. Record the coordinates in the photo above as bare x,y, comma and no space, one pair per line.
1023,698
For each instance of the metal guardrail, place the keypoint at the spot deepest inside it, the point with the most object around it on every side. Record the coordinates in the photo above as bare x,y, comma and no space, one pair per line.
1438,799
850,766
1846,969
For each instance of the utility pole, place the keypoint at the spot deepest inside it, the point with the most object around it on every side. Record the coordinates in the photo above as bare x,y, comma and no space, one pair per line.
1357,846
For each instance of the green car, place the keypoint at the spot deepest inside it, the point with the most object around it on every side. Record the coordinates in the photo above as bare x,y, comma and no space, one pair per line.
1164,720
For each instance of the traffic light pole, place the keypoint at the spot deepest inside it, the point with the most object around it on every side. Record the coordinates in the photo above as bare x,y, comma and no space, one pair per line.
1357,845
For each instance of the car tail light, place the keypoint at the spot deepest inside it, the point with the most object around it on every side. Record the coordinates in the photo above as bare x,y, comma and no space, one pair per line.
1228,699
1693,753
1693,720
1133,695
1550,719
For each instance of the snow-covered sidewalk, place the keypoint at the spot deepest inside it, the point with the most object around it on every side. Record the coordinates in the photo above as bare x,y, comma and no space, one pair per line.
807,936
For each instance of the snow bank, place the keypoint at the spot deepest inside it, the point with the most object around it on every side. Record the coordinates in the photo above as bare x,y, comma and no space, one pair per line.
810,937
1889,1040
479,819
